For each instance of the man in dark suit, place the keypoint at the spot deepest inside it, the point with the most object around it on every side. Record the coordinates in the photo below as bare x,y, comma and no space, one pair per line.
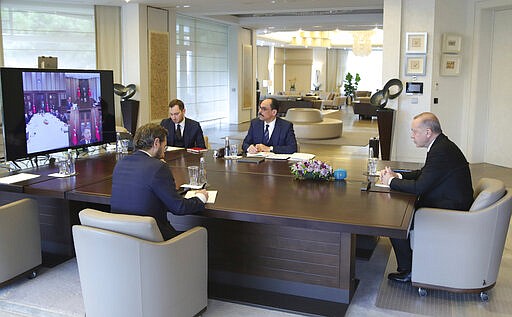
443,182
181,131
142,183
269,133
86,137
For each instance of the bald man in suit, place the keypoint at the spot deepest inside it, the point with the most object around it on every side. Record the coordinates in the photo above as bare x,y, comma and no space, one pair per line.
443,182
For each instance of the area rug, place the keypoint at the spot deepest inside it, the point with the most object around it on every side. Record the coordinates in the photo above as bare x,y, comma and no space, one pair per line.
347,138
54,292
405,298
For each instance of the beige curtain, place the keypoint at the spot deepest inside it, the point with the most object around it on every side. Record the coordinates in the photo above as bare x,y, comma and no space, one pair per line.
108,46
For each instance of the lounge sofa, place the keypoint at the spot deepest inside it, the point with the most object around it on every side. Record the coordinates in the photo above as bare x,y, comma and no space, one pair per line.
364,109
310,124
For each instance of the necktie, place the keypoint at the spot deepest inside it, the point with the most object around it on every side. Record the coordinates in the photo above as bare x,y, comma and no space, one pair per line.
266,135
178,132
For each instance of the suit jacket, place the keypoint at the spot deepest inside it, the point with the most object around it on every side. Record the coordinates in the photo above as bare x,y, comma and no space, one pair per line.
282,139
192,134
443,182
144,185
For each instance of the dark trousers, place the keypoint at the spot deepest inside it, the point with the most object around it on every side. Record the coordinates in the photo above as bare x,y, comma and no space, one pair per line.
403,253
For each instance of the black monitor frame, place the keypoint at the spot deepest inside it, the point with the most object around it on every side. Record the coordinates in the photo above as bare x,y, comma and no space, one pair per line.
13,110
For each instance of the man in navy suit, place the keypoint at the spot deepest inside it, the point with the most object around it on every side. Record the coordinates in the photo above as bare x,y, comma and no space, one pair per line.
142,183
181,131
269,133
443,182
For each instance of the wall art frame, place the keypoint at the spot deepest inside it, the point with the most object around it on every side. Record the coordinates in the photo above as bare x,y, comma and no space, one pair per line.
450,64
452,43
416,42
415,65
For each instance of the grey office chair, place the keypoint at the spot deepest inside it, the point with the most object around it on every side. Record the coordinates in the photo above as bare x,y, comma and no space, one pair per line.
20,239
460,251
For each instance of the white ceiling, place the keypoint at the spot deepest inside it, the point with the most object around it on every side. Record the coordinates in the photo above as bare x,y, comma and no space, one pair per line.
274,15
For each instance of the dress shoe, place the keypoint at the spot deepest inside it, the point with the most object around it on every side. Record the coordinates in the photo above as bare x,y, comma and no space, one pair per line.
400,276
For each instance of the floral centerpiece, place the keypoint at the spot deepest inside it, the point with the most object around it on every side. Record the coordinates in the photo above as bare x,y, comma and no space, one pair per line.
312,169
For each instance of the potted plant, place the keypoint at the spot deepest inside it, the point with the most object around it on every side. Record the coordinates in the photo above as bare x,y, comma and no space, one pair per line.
350,86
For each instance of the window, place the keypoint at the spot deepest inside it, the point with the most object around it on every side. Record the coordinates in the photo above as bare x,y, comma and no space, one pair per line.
202,67
369,68
32,29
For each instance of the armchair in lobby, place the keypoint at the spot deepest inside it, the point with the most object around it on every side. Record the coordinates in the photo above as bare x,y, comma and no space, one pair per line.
126,269
460,251
20,239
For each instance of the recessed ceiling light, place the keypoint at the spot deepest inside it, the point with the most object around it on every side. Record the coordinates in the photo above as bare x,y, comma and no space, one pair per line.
186,6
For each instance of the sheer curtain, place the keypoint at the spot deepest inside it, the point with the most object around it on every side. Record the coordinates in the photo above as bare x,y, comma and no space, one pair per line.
202,67
108,46
31,29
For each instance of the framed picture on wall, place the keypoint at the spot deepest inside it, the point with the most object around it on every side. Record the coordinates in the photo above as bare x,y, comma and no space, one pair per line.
450,65
415,65
416,43
452,43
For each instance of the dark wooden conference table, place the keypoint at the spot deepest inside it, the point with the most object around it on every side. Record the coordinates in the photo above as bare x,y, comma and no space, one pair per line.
273,240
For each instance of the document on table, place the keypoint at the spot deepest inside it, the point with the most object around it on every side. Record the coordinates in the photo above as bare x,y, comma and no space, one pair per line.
212,195
173,148
259,154
301,156
17,178
274,156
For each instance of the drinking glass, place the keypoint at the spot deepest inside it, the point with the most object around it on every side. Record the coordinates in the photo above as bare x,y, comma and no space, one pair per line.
193,175
233,149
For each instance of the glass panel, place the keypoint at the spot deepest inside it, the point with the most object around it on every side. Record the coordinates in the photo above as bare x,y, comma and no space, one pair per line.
32,29
202,67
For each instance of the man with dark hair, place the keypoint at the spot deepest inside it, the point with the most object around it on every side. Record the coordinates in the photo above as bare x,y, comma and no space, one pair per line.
181,131
269,133
142,183
443,182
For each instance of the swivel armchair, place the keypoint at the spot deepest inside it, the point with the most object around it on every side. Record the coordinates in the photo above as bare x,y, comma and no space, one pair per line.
126,269
20,239
460,251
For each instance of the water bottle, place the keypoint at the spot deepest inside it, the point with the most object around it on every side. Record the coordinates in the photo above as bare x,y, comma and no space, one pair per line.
71,162
202,171
118,143
226,147
372,163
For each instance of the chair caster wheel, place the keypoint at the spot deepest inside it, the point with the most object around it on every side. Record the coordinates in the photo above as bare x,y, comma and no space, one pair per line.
422,292
32,275
484,297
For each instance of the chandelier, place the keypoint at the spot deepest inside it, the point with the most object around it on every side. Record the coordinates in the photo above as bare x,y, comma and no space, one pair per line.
361,42
362,45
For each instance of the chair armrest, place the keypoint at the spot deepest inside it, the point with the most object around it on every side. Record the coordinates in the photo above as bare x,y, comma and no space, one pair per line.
177,275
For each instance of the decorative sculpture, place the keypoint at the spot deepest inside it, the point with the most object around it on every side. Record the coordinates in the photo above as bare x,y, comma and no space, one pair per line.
125,92
129,107
392,89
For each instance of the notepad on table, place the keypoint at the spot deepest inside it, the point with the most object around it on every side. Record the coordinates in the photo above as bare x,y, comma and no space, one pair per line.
212,195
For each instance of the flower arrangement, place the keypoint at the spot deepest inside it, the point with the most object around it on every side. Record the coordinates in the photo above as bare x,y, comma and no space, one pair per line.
312,169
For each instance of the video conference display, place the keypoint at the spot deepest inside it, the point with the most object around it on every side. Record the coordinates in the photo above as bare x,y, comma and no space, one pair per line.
58,109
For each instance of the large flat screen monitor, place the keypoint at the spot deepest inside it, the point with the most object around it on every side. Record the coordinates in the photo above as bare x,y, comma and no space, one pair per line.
51,110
